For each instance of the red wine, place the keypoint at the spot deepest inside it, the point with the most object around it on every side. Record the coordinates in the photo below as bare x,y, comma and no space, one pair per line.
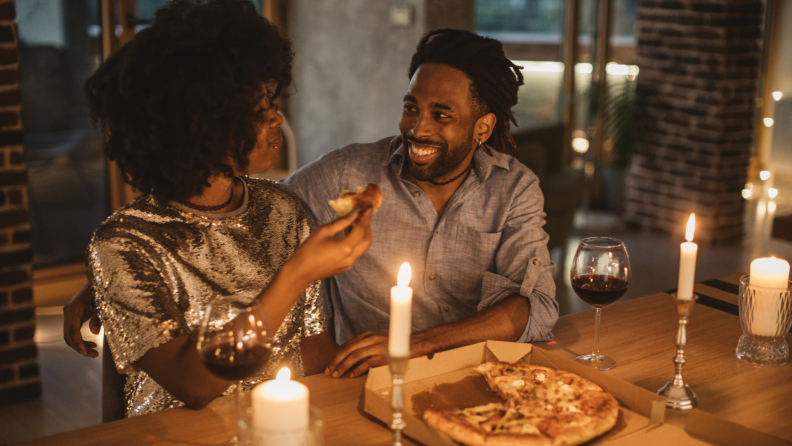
599,290
223,363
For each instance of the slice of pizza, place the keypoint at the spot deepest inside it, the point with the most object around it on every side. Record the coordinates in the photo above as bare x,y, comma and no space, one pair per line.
361,198
513,381
491,424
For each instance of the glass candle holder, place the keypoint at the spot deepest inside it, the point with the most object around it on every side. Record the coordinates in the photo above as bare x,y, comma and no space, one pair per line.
312,436
765,317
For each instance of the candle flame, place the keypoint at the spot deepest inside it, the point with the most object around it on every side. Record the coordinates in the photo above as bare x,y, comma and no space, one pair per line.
284,374
405,273
690,227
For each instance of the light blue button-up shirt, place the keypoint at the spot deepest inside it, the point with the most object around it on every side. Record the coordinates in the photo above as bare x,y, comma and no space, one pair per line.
488,245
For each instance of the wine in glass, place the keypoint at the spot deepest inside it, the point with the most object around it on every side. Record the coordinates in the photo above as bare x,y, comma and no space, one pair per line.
234,343
600,276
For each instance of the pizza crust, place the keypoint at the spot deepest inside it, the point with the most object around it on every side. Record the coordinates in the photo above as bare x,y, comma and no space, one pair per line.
368,196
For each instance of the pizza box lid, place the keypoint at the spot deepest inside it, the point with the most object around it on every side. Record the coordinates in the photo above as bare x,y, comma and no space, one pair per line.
641,411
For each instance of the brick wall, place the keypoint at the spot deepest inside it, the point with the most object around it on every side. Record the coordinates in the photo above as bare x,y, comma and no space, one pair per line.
19,372
699,62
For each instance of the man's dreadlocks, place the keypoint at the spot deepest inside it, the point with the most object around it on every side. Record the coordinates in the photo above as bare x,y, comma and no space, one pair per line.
494,78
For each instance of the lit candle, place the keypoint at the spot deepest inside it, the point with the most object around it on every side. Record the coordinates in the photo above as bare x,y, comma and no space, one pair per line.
770,272
401,314
280,408
769,277
687,262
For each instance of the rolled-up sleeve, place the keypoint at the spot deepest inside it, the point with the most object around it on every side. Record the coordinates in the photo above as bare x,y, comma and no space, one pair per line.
522,263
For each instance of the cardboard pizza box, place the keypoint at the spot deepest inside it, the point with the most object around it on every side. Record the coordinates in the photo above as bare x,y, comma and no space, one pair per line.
449,378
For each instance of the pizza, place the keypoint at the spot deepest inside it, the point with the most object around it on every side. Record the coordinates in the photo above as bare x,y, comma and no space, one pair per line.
361,198
541,406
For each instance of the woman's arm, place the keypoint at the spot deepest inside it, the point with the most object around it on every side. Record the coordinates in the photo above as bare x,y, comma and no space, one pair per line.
176,365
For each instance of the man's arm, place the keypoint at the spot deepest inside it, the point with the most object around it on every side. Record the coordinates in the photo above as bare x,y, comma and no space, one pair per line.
503,321
317,351
81,308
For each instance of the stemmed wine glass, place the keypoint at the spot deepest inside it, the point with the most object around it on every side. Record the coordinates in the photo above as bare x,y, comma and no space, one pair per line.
600,276
234,343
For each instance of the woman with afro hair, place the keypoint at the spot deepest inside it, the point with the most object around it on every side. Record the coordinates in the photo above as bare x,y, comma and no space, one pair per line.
187,112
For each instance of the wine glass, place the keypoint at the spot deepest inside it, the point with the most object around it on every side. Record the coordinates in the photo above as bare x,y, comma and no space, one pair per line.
600,276
234,343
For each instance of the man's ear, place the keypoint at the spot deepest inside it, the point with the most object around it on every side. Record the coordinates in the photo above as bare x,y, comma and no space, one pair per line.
484,127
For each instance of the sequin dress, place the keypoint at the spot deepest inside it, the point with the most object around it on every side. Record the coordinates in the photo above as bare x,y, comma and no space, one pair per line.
156,266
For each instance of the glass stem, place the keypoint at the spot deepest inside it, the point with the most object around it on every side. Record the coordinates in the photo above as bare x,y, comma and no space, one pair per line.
596,354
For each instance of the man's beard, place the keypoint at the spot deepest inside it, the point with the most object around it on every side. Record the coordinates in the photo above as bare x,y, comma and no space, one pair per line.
446,161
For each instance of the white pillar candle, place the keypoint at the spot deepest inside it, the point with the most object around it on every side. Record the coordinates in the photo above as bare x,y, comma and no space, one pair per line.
769,277
770,272
281,406
401,314
687,262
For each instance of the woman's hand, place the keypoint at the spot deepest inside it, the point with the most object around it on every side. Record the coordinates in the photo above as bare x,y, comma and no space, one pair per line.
323,254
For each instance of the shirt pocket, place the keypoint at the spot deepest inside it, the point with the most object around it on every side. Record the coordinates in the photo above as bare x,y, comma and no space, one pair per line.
474,254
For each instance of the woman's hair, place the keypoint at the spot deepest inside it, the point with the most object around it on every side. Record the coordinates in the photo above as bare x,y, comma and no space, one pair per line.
495,80
180,101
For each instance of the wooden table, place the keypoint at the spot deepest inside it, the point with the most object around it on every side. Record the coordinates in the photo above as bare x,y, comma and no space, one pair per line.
638,333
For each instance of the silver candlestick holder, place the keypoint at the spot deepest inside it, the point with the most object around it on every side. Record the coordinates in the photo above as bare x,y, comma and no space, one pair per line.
677,393
398,366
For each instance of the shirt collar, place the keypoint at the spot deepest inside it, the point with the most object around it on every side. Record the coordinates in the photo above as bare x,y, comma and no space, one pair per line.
482,162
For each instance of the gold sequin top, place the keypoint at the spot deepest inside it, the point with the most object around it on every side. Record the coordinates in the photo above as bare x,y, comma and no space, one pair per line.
155,267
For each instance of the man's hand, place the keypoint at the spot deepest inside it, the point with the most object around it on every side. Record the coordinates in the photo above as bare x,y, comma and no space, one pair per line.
81,308
359,354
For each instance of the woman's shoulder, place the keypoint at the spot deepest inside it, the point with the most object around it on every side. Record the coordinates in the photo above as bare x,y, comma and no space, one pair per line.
274,194
145,215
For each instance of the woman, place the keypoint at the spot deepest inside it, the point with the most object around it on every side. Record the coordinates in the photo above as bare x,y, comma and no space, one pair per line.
187,108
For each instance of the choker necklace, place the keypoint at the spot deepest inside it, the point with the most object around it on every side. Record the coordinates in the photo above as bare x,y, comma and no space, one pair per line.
452,179
202,208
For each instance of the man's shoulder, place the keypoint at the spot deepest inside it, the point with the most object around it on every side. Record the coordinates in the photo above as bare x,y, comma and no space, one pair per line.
348,158
365,153
507,167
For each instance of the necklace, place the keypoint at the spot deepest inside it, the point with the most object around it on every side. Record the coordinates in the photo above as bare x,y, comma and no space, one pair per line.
452,179
202,208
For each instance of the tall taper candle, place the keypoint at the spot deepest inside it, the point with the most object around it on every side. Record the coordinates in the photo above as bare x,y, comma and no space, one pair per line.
687,262
401,314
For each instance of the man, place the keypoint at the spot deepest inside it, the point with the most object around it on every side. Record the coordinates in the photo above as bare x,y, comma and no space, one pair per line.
467,219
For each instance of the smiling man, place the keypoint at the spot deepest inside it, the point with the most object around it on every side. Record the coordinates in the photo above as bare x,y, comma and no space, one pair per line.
466,217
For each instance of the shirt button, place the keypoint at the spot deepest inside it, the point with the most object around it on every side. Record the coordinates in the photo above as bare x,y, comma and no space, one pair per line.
536,262
435,234
445,308
431,277
416,194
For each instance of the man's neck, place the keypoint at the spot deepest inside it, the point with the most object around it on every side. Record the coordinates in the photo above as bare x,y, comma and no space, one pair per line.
440,195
